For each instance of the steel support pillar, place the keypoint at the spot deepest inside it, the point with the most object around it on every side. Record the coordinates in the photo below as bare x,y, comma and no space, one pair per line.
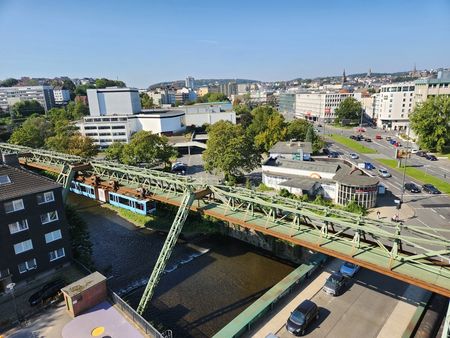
166,251
446,330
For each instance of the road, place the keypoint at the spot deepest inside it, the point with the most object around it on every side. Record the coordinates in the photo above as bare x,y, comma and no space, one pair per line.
430,210
373,305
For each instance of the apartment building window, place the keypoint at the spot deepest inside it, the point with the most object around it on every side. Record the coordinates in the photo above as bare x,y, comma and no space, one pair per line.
18,226
53,236
89,128
23,246
56,254
49,217
4,179
104,127
27,266
14,206
118,127
45,197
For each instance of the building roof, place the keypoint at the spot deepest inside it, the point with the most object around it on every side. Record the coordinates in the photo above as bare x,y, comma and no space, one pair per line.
291,148
83,284
23,182
304,183
316,166
158,113
355,177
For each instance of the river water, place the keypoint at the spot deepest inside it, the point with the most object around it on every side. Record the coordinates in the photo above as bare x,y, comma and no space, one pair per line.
208,280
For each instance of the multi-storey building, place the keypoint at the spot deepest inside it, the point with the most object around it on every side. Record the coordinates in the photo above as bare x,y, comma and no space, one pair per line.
228,88
115,114
393,104
33,229
185,95
11,95
320,106
113,100
190,82
162,96
61,96
425,88
286,105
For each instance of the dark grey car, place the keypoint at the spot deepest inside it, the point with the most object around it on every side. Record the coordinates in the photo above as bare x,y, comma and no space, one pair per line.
301,317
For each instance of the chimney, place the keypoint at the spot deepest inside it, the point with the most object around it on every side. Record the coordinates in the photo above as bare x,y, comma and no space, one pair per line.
10,159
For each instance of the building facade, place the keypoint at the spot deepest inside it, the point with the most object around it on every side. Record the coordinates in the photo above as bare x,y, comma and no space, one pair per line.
34,235
61,96
200,114
393,105
320,106
113,101
11,95
426,88
286,105
190,82
228,88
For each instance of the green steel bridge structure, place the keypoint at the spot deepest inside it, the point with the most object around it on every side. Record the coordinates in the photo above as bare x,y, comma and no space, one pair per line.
418,255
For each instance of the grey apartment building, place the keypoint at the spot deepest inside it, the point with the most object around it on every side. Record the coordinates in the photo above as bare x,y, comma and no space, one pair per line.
33,228
11,95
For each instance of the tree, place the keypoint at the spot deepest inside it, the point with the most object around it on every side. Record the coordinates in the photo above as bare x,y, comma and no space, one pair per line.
297,129
26,108
229,150
241,109
148,148
33,132
349,109
275,131
114,151
212,97
76,110
81,89
431,122
9,82
261,116
310,134
103,83
68,84
83,146
146,101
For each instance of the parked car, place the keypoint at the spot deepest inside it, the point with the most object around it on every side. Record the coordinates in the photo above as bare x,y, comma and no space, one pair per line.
359,137
366,165
392,141
353,137
384,173
326,151
47,292
302,317
349,269
335,284
388,138
430,189
412,187
360,130
333,154
430,157
378,137
319,125
354,156
414,150
368,139
421,153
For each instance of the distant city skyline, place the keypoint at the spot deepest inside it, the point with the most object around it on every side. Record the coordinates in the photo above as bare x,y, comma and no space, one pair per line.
143,42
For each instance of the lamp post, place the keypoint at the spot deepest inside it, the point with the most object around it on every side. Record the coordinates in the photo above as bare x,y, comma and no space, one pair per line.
10,288
404,166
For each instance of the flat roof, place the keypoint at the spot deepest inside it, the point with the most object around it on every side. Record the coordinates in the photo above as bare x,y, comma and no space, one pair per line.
158,113
22,183
83,284
320,166
291,147
304,183
355,177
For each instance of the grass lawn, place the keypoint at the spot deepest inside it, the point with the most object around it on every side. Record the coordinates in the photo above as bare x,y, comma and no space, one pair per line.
419,175
352,144
443,155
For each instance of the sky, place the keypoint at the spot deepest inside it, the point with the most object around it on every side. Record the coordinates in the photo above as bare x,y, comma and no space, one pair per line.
144,42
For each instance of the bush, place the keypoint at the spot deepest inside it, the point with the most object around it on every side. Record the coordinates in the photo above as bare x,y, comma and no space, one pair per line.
262,187
355,208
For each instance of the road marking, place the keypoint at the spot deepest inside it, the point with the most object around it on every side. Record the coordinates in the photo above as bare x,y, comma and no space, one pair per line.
442,216
434,210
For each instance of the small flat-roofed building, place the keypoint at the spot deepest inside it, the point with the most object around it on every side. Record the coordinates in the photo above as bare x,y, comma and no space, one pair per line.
85,293
293,150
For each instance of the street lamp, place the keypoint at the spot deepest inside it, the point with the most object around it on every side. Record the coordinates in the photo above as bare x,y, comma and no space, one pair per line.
10,288
404,166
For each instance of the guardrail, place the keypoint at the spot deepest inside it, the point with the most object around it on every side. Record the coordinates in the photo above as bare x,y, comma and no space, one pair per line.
244,321
134,316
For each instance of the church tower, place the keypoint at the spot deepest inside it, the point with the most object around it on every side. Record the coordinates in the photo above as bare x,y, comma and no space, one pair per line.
344,77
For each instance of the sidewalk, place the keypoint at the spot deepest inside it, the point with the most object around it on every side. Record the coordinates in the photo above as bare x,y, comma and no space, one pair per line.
388,211
277,319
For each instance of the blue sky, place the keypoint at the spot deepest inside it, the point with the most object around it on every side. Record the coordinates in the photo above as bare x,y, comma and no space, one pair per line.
143,42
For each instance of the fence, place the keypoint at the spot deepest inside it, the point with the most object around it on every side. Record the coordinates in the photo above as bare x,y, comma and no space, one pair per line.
134,316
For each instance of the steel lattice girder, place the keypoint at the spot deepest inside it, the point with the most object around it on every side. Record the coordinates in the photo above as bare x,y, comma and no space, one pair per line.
375,244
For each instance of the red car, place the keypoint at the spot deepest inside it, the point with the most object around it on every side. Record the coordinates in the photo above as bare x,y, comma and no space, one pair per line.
378,137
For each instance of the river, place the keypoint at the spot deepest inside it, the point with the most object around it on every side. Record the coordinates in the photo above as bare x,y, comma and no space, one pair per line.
208,280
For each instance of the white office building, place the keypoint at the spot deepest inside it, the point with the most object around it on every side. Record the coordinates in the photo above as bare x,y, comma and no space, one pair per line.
113,100
393,104
189,83
61,96
320,106
11,95
116,114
